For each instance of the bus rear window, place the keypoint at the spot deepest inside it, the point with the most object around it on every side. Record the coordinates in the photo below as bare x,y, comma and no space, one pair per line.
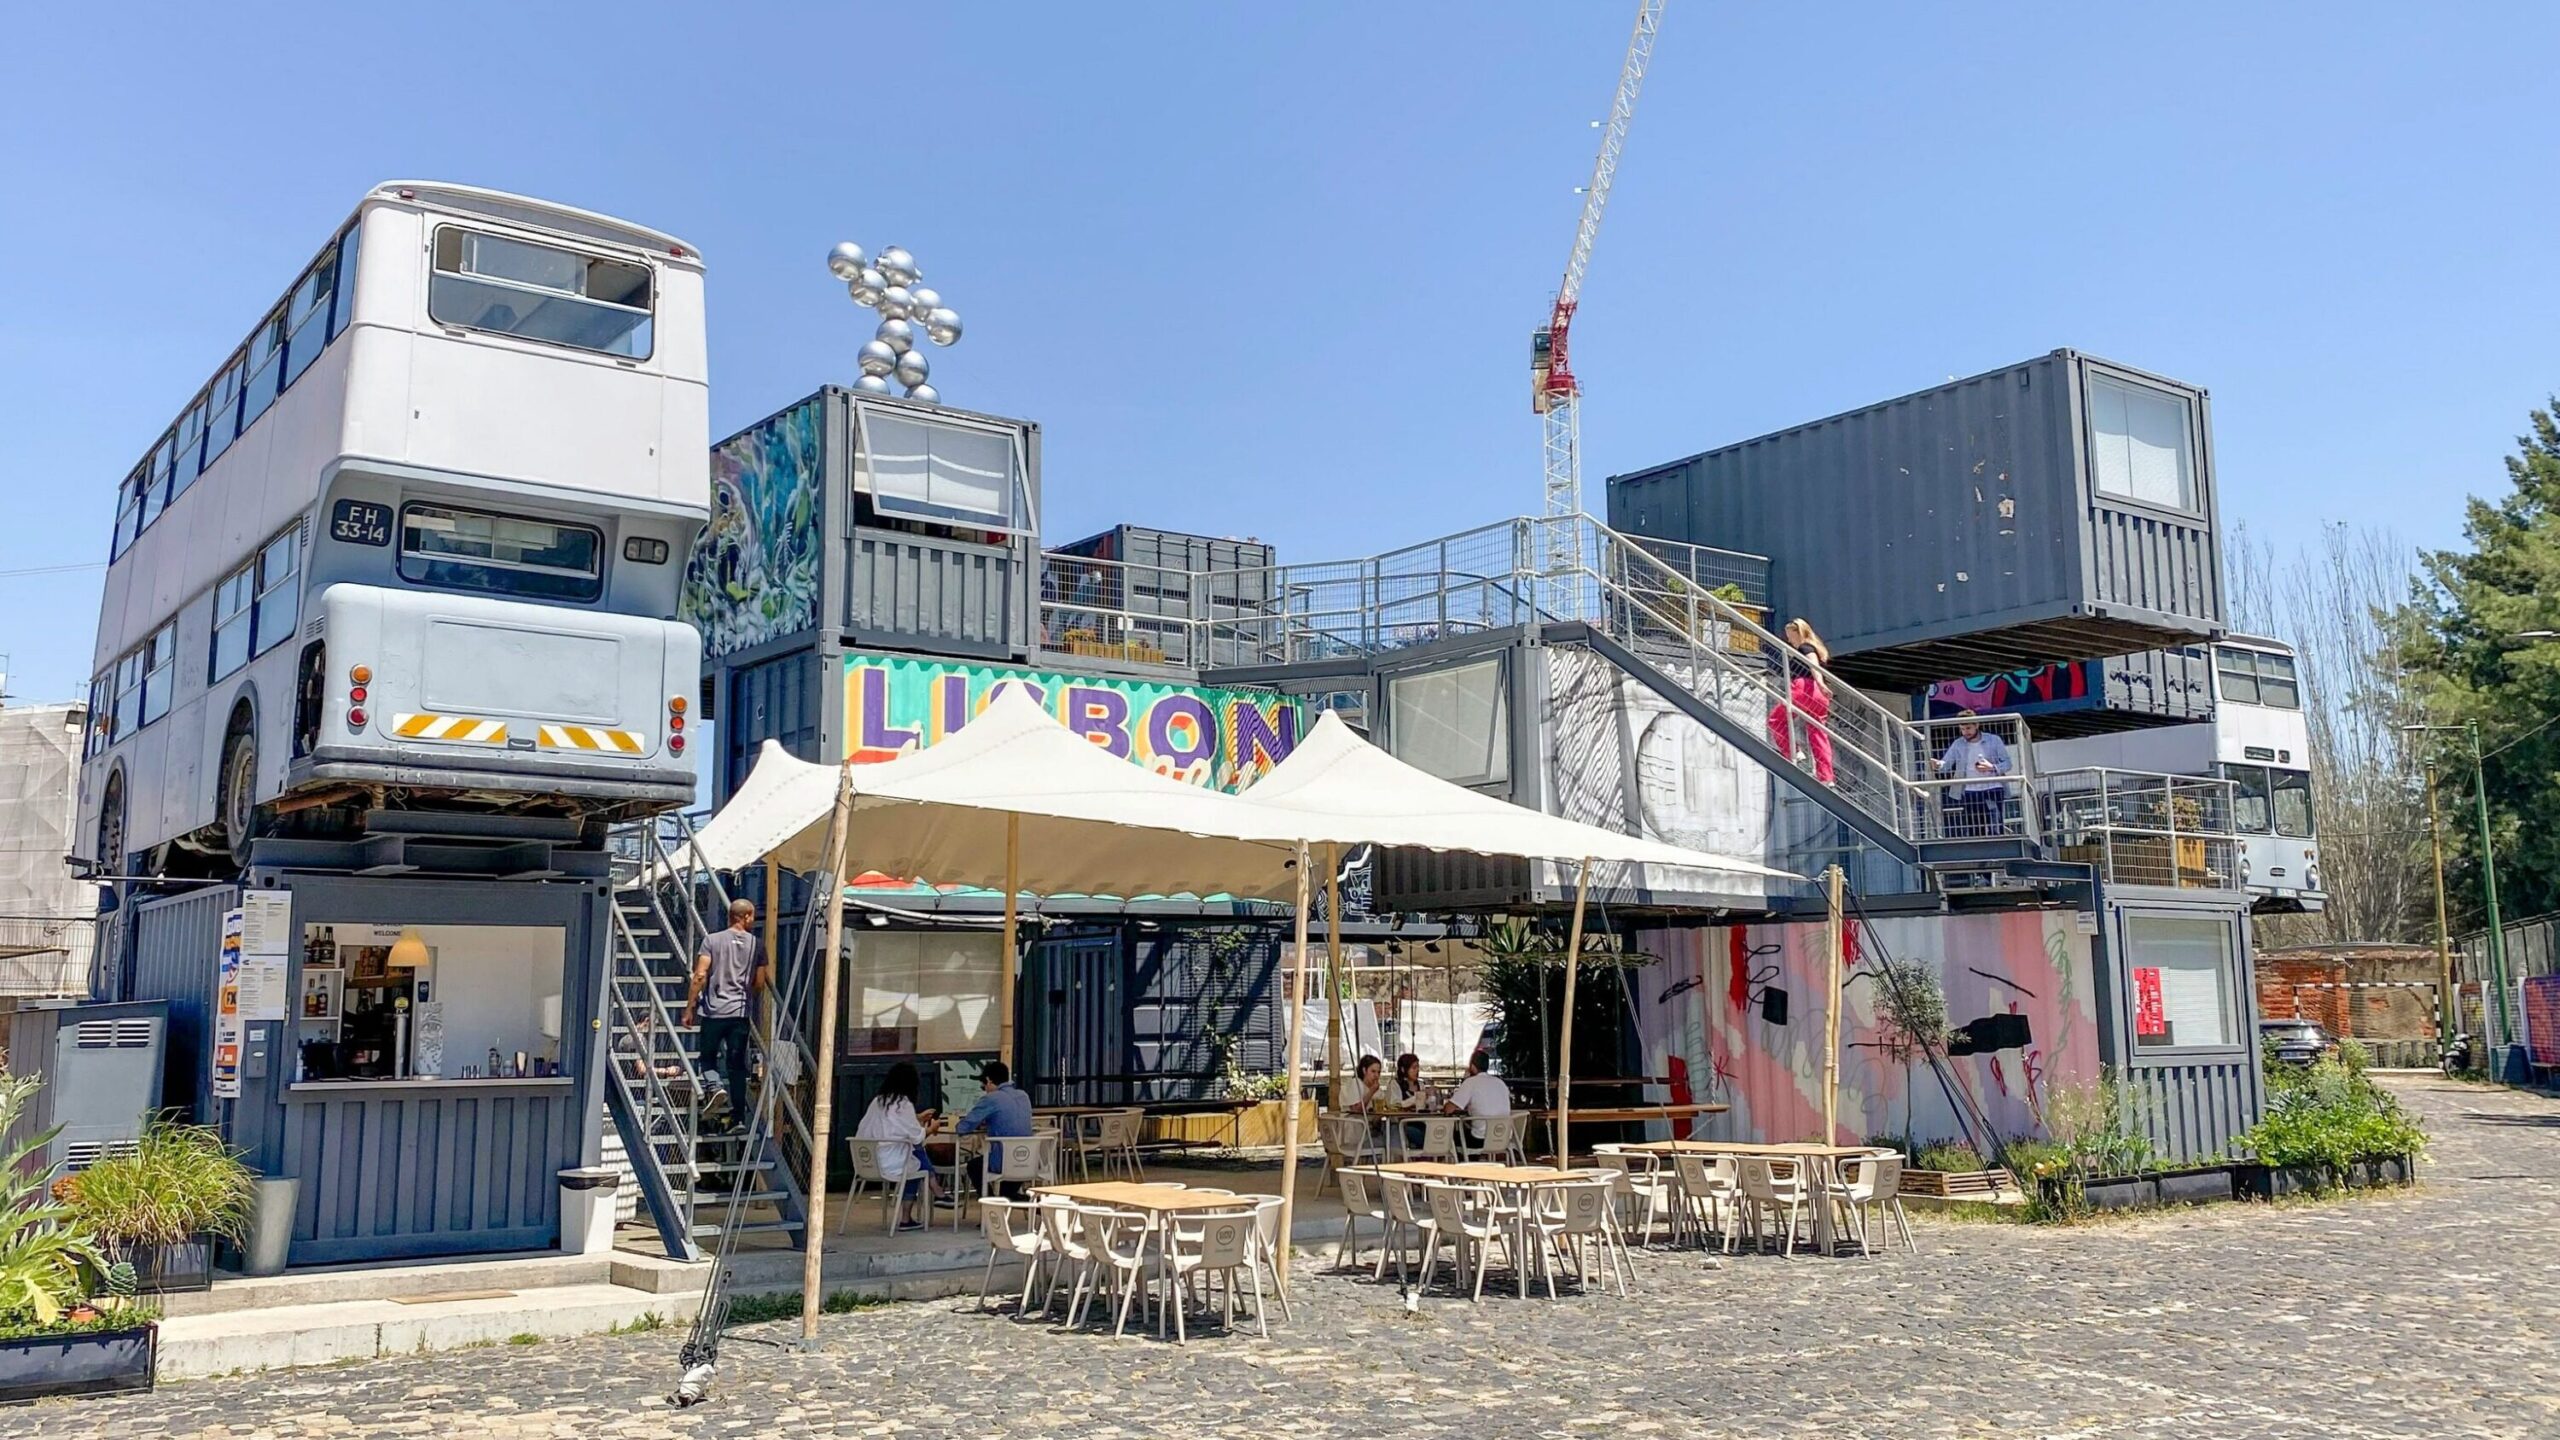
540,292
501,554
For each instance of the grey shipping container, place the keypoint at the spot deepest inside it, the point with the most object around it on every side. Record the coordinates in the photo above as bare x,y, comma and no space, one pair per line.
2091,697
2058,509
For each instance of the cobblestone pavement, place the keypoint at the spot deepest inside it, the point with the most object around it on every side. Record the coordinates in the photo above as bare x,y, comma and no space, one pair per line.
2421,1313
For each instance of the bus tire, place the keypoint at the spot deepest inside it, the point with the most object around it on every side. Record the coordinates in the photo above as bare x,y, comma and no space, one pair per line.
238,798
112,829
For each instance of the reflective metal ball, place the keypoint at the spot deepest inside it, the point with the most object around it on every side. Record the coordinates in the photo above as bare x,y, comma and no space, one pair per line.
942,325
913,368
876,358
898,265
924,395
866,287
898,336
897,302
845,262
921,299
871,384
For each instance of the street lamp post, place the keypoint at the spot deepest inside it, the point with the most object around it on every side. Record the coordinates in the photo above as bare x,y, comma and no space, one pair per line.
2470,731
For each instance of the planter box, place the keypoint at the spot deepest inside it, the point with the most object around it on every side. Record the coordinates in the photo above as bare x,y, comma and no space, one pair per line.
2198,1185
1258,1125
101,1362
1959,1184
2390,1170
169,1269
2274,1182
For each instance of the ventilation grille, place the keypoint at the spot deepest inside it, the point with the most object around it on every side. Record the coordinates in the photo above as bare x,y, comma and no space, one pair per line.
113,1034
81,1154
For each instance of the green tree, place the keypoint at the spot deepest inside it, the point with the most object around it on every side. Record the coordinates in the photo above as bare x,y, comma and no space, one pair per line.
2462,632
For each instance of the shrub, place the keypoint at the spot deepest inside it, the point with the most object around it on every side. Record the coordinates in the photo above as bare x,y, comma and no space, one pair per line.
1950,1155
181,1182
2328,1115
48,1260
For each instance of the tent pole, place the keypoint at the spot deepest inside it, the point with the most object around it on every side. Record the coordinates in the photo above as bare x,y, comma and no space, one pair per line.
1333,975
1564,1040
822,1105
1289,1096
1012,932
772,968
1833,926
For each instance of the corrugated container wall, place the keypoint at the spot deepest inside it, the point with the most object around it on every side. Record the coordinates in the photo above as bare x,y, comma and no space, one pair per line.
1967,528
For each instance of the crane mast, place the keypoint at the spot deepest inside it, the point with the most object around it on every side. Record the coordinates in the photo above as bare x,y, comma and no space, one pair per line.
1556,395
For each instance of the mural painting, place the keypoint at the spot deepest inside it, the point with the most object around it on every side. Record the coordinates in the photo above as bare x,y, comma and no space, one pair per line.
1733,1015
1621,757
1201,736
2042,689
754,575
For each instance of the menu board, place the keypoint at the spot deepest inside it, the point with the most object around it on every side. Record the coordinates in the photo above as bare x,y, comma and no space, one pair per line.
226,1011
265,937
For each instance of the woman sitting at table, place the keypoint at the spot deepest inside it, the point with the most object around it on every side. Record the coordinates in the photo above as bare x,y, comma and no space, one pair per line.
894,1120
1359,1096
1405,1092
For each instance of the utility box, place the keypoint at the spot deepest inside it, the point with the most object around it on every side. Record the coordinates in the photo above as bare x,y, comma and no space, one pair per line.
2057,510
100,1064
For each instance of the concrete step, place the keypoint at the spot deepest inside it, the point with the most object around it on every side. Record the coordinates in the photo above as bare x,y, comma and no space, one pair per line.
195,1346
234,1293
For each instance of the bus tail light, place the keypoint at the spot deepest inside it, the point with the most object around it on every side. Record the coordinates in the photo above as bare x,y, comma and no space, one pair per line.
676,707
358,678
355,719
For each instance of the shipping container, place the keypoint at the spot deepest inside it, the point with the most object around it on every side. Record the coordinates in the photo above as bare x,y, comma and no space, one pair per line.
2088,697
1158,597
2061,509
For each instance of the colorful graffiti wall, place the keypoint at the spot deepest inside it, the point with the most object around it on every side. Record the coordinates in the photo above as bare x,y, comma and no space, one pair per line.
1733,1015
754,576
2040,690
1219,738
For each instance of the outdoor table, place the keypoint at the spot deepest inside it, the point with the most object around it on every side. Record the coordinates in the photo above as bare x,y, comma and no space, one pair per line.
1159,1203
1500,1177
1624,1114
1802,1151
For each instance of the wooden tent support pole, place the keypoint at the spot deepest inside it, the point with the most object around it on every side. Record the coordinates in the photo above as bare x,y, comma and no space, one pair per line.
1297,1077
1833,929
1012,938
1333,976
822,1084
1564,1037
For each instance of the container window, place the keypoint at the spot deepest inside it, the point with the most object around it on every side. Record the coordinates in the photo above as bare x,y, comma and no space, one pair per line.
540,292
1453,723
279,606
2293,804
922,469
190,448
2249,802
919,993
501,554
233,601
2181,972
2142,446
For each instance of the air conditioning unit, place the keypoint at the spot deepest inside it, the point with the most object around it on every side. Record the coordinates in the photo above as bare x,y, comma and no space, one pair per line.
101,1067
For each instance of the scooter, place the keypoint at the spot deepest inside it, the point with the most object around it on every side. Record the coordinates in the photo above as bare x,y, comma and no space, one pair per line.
2457,1054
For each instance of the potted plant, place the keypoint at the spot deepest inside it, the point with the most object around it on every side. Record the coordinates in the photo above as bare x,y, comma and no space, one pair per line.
60,1332
1951,1170
164,1205
2328,1125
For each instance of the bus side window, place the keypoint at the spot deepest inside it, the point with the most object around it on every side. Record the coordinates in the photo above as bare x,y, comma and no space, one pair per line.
2239,678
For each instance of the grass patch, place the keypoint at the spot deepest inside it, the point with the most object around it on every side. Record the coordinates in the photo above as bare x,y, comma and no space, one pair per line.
639,1325
524,1337
763,1309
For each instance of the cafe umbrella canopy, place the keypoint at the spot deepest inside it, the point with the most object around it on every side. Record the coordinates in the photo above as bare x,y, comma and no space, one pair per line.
1014,800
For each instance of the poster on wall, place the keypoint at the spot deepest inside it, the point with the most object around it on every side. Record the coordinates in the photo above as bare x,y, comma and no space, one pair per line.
266,930
2150,1007
1217,738
226,1011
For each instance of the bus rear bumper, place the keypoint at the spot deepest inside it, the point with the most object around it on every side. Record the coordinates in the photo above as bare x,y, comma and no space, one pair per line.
601,781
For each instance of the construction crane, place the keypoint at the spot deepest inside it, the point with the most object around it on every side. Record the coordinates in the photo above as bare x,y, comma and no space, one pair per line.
1557,396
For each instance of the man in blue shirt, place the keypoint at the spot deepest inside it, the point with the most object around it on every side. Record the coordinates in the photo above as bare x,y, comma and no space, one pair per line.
1981,759
1002,1111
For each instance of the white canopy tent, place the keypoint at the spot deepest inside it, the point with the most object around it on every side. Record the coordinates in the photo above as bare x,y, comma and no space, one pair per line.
1015,800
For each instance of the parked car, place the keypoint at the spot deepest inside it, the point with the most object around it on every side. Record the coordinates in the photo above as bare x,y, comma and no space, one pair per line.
2298,1042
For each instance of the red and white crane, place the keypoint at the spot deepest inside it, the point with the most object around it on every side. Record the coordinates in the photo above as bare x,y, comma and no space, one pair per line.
1558,395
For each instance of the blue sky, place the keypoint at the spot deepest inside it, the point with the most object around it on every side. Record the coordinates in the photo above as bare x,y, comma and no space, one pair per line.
1271,270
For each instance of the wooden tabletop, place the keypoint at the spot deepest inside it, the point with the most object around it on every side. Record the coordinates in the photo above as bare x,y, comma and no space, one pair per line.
1607,1113
1792,1150
1481,1173
1121,1194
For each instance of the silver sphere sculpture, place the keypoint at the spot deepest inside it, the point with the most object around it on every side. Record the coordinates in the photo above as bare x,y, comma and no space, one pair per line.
845,262
942,325
913,368
896,336
876,358
897,302
898,265
924,395
871,384
866,287
922,299
910,315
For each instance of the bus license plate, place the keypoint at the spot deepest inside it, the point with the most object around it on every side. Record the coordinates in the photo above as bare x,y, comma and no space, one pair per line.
359,522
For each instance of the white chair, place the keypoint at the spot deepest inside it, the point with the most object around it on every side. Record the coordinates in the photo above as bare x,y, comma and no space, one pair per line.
1267,1243
1407,1210
1705,1194
1573,1220
1021,1160
1771,1188
1012,1227
1469,1220
1125,1249
1212,1248
1872,1184
1130,1125
1348,1140
1360,1202
1635,1179
867,1172
1070,1251
1428,1137
1499,1144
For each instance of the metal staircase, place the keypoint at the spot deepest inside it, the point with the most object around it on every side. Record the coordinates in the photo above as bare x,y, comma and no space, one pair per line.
692,1174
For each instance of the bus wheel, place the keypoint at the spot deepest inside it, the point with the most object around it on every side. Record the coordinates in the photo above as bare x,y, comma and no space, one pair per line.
111,826
239,794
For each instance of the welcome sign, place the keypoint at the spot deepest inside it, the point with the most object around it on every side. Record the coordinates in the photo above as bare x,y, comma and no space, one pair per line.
1200,735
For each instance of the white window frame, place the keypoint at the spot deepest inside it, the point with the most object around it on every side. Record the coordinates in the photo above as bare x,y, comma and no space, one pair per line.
648,314
1026,519
242,616
269,585
159,674
2235,1010
2190,501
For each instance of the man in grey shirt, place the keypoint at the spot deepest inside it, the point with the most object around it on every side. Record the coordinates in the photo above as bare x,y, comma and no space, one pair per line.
726,976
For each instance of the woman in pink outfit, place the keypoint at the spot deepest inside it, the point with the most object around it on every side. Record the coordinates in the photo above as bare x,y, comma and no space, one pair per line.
1809,694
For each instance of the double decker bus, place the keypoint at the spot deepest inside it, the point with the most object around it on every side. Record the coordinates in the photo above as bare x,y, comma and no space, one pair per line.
2259,740
416,544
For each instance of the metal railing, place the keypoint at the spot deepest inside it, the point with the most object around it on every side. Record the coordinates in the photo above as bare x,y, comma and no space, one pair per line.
1151,614
2142,828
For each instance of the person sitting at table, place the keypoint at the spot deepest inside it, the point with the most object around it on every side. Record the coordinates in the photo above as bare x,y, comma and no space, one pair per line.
894,1120
1004,1113
1403,1092
1482,1095
1363,1088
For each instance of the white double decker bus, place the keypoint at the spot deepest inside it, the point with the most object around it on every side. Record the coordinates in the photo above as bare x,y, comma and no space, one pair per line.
2260,741
416,544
